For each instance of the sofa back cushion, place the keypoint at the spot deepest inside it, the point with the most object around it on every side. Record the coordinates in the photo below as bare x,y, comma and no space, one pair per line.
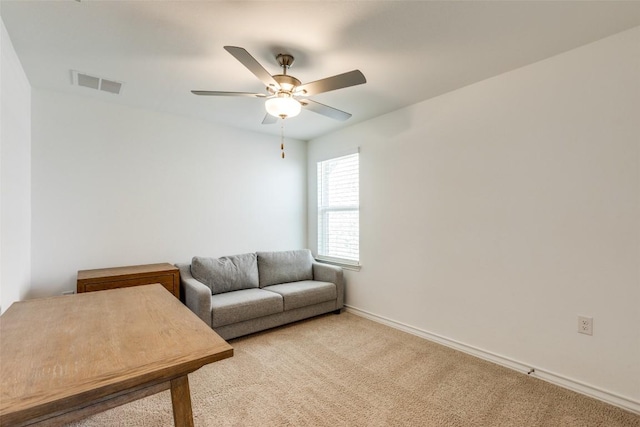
226,274
284,267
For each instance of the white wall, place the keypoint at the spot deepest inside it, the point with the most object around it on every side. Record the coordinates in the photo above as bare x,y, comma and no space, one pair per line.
120,186
15,176
496,214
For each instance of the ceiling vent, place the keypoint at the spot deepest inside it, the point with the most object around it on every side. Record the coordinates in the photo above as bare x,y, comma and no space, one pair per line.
98,83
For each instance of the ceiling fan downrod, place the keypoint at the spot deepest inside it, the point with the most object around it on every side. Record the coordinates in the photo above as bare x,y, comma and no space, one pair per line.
285,61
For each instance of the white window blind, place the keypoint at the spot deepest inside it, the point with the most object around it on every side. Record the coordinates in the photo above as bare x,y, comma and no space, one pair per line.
339,209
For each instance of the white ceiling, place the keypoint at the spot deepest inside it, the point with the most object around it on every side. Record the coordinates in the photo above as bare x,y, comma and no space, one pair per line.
409,51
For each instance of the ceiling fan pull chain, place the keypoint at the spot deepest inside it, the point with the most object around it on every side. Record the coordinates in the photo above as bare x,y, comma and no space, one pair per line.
282,137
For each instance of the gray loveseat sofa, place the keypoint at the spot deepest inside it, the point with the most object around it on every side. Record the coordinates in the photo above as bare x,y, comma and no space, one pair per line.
242,294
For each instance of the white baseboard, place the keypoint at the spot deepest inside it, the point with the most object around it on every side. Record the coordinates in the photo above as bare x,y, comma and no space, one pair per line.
553,378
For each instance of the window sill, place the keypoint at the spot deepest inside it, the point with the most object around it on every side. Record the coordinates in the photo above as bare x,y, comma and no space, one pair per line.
344,265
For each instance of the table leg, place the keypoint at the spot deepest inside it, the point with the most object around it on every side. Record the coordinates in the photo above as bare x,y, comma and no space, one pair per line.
181,400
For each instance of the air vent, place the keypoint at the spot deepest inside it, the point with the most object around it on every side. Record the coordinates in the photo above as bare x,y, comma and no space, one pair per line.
98,83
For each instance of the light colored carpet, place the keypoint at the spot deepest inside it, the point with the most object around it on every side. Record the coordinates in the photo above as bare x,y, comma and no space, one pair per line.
348,371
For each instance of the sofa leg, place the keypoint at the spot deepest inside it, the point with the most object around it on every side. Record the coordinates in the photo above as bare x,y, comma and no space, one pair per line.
337,311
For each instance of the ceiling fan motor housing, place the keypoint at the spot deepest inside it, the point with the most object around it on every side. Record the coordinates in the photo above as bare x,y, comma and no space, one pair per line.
287,83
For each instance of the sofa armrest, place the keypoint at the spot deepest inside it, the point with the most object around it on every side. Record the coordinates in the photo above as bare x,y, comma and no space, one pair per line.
197,295
333,274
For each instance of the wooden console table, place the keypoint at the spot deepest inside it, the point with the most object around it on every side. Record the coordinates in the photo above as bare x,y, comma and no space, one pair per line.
67,357
122,277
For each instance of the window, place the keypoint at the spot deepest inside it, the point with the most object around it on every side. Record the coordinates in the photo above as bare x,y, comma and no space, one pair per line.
339,210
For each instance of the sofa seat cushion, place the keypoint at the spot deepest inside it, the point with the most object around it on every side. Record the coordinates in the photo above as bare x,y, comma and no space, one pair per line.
304,293
226,274
237,306
284,267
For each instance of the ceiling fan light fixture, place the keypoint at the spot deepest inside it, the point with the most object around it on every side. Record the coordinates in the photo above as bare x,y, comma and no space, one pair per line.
283,107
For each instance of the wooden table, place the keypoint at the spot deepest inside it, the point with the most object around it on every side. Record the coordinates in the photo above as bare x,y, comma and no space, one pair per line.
135,275
68,357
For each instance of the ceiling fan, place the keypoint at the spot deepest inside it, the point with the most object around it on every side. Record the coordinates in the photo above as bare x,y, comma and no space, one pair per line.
286,95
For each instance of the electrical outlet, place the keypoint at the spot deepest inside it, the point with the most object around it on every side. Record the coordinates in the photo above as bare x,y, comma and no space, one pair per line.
585,325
